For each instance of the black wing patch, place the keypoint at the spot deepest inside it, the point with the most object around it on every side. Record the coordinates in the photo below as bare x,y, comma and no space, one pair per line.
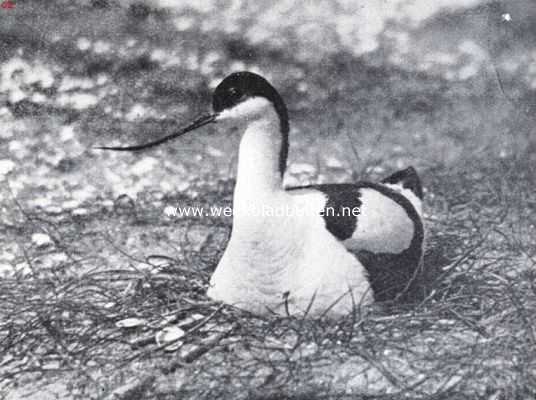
394,276
341,210
390,275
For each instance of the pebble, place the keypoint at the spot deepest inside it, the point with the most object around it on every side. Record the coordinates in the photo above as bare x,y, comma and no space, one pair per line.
41,240
6,166
66,133
144,166
42,202
124,203
53,210
182,186
83,44
291,181
78,101
70,204
69,83
214,152
302,168
170,334
333,162
80,212
101,47
137,111
6,269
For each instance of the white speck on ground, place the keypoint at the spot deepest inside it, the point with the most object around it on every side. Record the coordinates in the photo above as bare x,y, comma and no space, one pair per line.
78,101
6,166
66,133
333,162
170,334
101,47
136,112
302,168
7,256
70,204
183,23
83,44
291,181
182,186
85,193
16,75
102,79
71,83
41,240
506,17
53,209
214,152
6,269
39,98
131,322
144,165
79,212
42,202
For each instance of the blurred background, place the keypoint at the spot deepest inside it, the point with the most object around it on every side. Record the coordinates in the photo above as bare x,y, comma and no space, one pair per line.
371,87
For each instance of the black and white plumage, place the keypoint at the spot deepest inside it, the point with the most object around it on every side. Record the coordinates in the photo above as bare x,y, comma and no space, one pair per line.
306,259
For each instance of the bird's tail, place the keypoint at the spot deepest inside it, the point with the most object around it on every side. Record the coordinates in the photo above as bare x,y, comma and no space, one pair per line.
407,179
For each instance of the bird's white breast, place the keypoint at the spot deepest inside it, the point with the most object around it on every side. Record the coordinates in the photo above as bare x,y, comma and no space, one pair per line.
268,257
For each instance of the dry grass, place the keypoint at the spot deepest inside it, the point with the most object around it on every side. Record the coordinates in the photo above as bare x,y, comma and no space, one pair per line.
473,336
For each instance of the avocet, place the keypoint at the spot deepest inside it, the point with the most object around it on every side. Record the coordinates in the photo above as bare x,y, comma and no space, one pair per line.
321,257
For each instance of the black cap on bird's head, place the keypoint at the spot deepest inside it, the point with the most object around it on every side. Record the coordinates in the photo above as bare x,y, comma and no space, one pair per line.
234,90
241,86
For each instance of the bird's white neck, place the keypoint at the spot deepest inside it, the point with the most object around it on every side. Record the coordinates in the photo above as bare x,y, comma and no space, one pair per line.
258,172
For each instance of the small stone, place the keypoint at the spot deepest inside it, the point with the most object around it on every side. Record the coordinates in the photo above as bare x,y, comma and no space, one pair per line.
214,152
170,334
41,240
42,202
124,204
6,166
83,44
291,181
66,133
6,269
102,79
182,186
70,204
53,210
302,168
332,162
144,166
39,98
80,212
101,47
131,323
137,111
78,101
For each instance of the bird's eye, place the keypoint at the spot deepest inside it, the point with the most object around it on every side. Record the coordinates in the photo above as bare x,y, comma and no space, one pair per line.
233,93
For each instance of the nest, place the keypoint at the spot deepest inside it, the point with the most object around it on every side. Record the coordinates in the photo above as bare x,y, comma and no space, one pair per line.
91,323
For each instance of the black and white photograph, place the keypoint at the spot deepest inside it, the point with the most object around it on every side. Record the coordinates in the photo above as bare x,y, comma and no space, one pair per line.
276,200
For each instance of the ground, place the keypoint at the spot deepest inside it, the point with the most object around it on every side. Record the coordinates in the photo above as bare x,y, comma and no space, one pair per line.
93,269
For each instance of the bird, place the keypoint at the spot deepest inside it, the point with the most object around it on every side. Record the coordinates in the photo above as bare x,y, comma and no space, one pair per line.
314,251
